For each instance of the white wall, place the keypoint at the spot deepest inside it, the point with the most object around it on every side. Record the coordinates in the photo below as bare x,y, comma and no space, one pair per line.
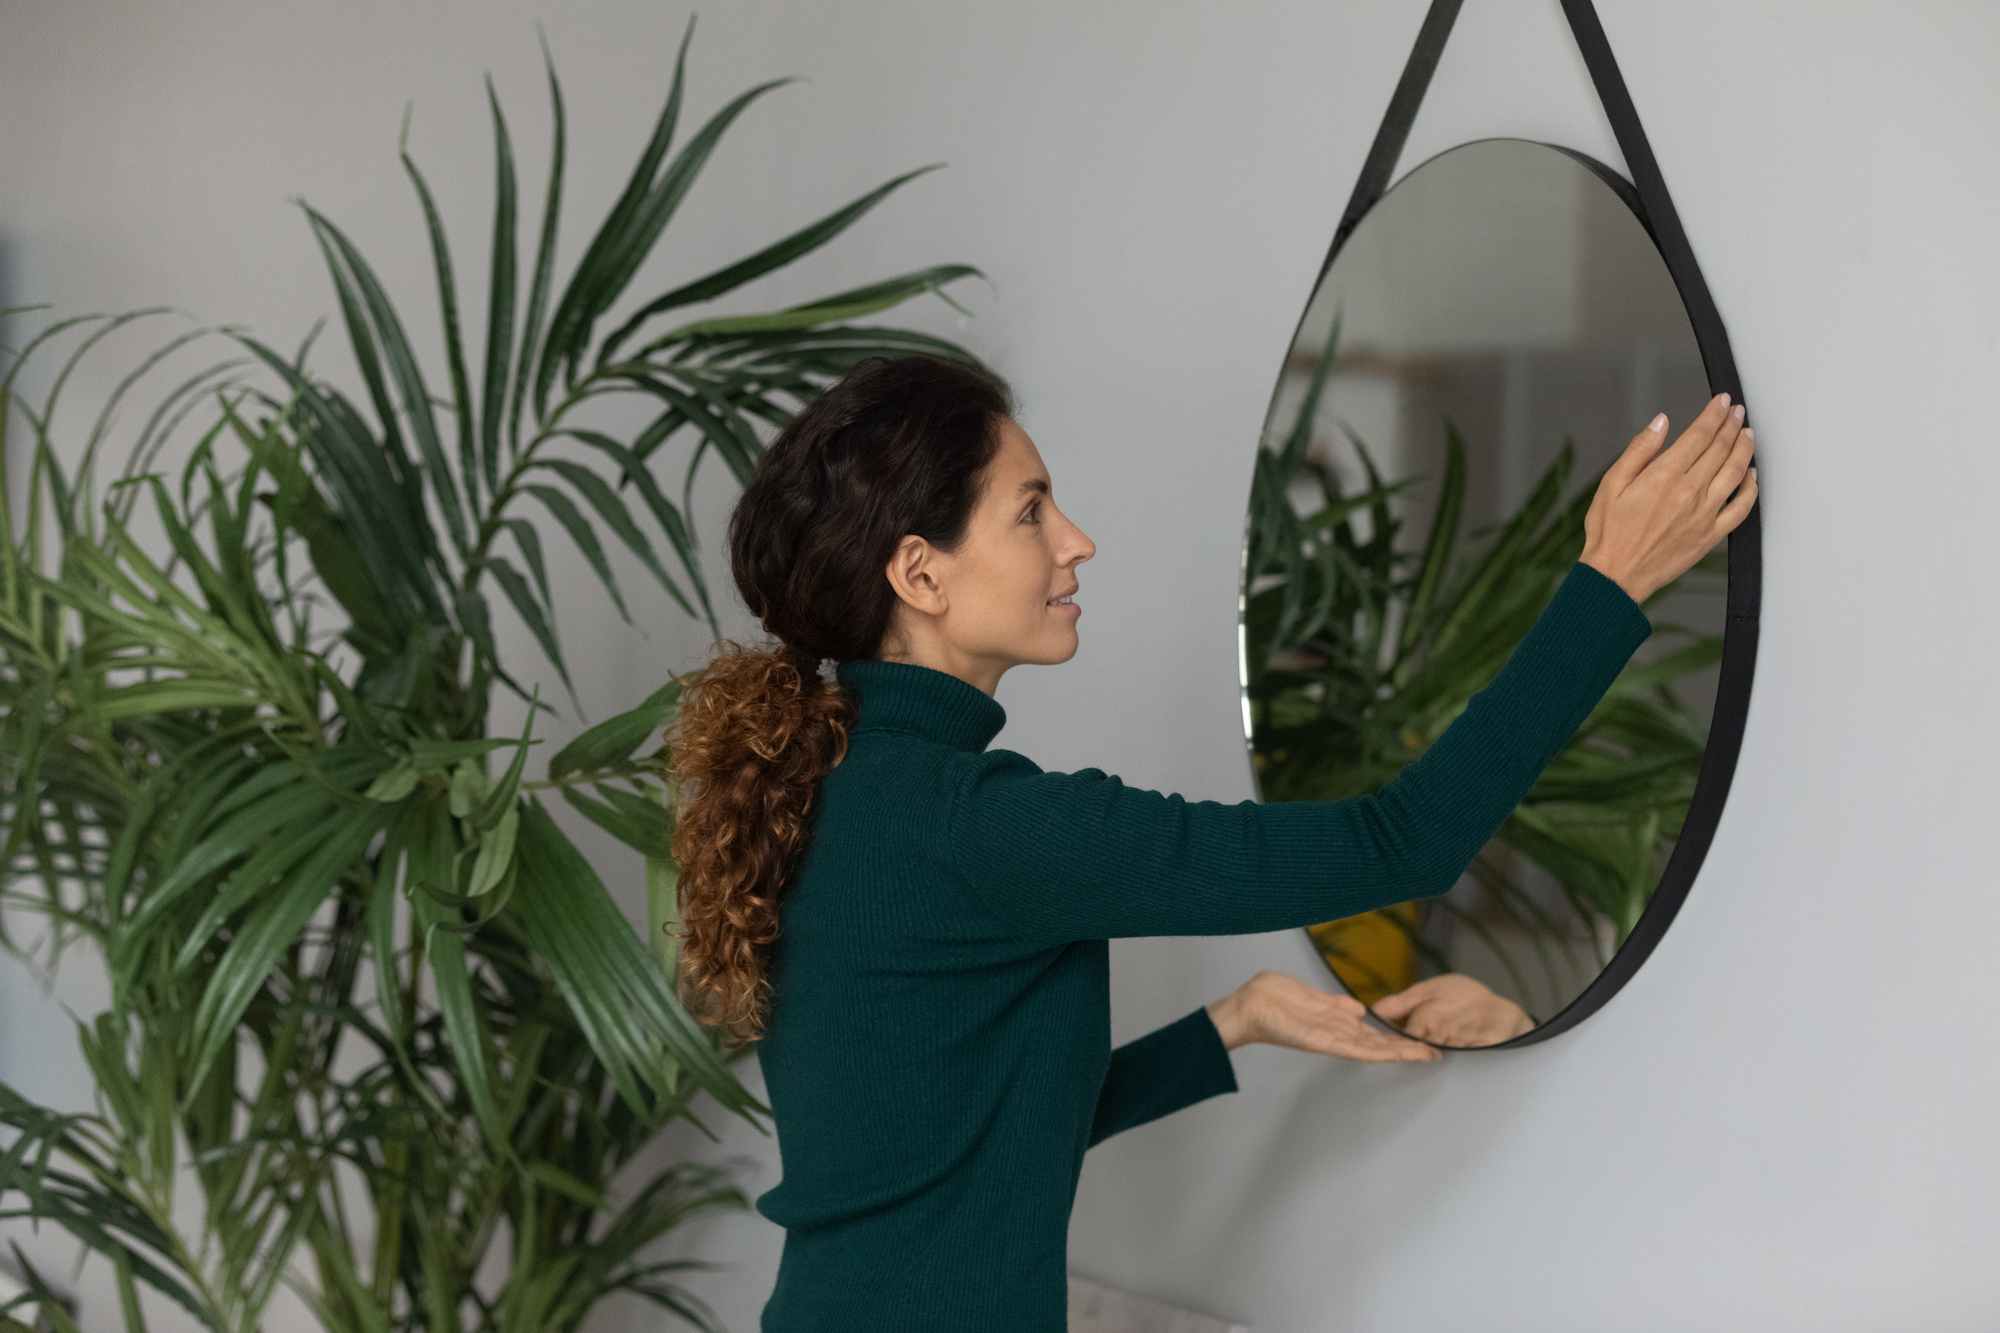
1788,1120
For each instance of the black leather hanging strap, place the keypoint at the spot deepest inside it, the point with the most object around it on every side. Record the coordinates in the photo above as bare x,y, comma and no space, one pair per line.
1661,217
1394,131
1663,220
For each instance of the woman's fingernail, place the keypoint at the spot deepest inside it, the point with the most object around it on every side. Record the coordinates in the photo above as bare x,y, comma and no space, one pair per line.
1749,433
1722,398
1737,412
1657,424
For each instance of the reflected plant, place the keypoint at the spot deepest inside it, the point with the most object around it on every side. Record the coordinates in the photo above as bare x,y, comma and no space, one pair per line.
366,995
1359,654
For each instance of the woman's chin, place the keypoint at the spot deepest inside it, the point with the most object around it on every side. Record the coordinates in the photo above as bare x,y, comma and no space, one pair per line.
1051,646
1062,649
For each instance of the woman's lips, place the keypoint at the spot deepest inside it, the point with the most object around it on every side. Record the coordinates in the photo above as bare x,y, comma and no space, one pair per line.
1064,606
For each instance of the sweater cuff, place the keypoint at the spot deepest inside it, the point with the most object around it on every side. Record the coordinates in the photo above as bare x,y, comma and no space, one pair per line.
1598,597
1179,1065
1210,1071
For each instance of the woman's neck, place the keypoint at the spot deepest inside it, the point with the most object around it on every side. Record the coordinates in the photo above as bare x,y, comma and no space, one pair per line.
914,647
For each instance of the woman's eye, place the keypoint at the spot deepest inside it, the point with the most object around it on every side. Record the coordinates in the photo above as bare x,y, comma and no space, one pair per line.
1034,514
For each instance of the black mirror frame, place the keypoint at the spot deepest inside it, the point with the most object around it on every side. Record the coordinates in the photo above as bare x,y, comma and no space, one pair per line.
1646,195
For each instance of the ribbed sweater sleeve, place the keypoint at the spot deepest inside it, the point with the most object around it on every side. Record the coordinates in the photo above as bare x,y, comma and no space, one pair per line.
1179,1065
1075,856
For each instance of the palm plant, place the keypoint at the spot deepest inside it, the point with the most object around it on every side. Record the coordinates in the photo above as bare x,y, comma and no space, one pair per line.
366,994
1359,653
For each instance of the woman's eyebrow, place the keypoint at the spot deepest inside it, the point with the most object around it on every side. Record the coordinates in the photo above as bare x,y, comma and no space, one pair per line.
1033,484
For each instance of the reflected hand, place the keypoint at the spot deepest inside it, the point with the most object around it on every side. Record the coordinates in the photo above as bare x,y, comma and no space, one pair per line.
1283,1011
1657,511
1454,1010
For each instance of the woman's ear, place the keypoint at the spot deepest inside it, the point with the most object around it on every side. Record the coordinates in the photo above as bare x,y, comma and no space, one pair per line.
913,574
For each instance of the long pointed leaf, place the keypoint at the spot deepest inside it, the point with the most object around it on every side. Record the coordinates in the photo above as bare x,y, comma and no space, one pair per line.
568,326
622,999
633,470
831,309
454,348
271,930
500,300
523,598
1443,539
545,256
585,538
460,1012
613,740
398,538
409,380
772,257
606,502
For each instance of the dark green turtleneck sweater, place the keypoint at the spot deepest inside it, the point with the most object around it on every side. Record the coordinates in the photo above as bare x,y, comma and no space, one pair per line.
938,1053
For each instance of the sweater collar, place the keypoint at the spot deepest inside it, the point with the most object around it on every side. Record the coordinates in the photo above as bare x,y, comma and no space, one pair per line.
897,696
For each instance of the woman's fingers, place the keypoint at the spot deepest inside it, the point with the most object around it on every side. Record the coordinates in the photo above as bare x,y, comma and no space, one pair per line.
1373,1047
1422,1024
1729,475
1644,447
1395,1008
1720,449
1650,532
1346,1032
1737,509
1283,1011
1695,441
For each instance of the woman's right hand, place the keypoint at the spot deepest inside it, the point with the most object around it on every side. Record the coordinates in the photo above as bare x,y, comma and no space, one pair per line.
1657,511
1454,1010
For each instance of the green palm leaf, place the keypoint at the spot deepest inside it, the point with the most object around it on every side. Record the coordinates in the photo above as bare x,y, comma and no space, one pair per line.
585,537
500,308
621,997
771,258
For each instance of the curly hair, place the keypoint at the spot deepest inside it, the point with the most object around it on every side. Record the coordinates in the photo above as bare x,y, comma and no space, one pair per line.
758,732
896,448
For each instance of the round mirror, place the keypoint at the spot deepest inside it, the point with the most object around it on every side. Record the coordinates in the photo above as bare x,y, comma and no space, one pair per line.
1491,335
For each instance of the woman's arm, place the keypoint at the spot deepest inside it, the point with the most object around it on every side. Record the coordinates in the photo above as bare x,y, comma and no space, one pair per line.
1068,856
1081,856
1187,1062
1176,1066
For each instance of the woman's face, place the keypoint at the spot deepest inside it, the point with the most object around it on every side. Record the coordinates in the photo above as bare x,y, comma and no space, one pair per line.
1004,597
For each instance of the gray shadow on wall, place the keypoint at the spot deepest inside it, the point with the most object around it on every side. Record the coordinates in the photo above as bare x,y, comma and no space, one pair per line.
1345,1120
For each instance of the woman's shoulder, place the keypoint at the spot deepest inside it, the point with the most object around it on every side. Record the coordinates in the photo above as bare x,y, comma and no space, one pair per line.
1006,781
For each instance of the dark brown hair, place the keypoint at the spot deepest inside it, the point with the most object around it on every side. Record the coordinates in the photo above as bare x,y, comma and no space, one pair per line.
897,448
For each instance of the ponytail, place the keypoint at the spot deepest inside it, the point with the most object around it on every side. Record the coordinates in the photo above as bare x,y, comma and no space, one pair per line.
897,448
758,732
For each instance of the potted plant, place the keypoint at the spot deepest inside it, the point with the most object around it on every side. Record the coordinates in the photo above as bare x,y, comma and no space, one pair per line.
367,999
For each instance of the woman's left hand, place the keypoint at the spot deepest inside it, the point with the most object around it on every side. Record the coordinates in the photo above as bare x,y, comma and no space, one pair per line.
1454,1010
1280,1010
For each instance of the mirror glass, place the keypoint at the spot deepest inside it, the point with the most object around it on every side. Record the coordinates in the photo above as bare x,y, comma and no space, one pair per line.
1490,337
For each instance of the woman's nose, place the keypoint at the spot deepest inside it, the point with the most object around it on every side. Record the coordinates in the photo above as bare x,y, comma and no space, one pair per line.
1081,547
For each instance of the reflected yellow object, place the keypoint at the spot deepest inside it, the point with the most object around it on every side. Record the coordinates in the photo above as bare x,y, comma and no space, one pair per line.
1372,954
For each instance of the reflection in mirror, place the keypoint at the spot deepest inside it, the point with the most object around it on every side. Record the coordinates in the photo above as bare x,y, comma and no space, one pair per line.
1490,337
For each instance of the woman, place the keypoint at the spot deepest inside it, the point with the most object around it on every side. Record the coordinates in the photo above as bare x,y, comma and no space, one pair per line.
916,926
